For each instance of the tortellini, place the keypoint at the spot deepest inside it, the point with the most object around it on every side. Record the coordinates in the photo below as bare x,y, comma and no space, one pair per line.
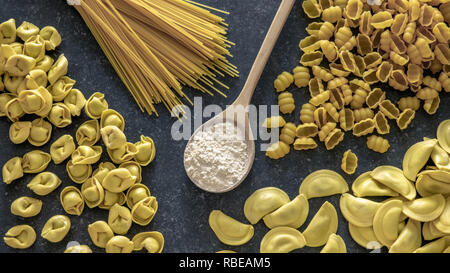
145,151
95,105
86,155
21,236
93,192
75,101
58,69
37,101
228,230
56,228
26,207
119,244
78,249
40,133
72,201
44,183
144,211
35,161
88,134
137,193
152,241
78,173
27,30
120,219
100,233
113,137
51,37
62,148
60,115
12,170
118,180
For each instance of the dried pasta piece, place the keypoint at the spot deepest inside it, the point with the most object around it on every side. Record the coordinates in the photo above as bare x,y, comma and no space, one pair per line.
400,59
381,20
372,60
410,32
332,14
277,150
394,178
416,157
397,44
431,106
360,66
320,98
405,118
307,113
307,130
336,82
426,15
364,23
347,93
381,123
332,111
346,119
323,224
398,80
354,9
389,109
264,201
311,9
425,209
283,81
347,60
329,49
323,183
311,58
363,44
310,43
304,143
412,103
425,34
313,28
414,74
282,240
414,54
432,83
274,122
359,98
362,114
384,71
442,53
385,41
349,162
364,127
322,73
427,93
19,131
444,79
320,116
326,129
375,97
288,133
334,138
326,31
337,98
442,32
424,48
377,144
301,76
344,39
315,87
286,102
338,70
399,24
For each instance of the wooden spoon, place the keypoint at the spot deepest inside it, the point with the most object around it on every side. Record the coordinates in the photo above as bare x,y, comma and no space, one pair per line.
237,113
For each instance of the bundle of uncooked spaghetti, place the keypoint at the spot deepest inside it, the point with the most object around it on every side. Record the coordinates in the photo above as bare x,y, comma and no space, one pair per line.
156,46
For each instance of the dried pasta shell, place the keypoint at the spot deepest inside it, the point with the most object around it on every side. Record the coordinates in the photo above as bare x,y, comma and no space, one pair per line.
358,211
443,222
152,241
384,71
310,43
322,73
405,118
19,131
360,67
323,224
427,93
375,97
443,135
364,23
426,34
398,80
40,133
339,71
336,82
323,183
288,133
263,202
409,239
426,15
86,155
385,222
364,44
277,150
326,129
349,162
364,185
381,124
381,20
414,74
334,138
442,32
44,183
399,24
35,161
72,201
362,114
78,173
282,240
347,60
320,116
442,53
364,127
144,211
425,209
95,105
301,76
400,59
364,237
389,109
315,87
93,193
313,28
332,111
432,83
346,119
326,31
304,143
311,8
283,81
344,38
274,122
337,99
423,47
397,44
331,14
307,113
410,32
412,103
370,76
286,102
292,214
311,58
307,130
394,178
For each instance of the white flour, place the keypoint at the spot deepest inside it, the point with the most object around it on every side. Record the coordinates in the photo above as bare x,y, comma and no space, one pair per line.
217,157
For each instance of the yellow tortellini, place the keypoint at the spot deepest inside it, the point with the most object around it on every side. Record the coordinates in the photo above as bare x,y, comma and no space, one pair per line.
62,148
86,155
95,105
93,192
137,193
51,37
37,101
61,88
35,161
123,154
112,198
88,134
44,183
60,115
21,236
323,183
100,233
120,219
146,151
58,69
27,30
75,101
72,201
19,65
78,173
119,244
35,47
78,249
40,133
134,168
152,241
113,137
263,202
56,228
26,207
282,240
12,170
228,230
118,180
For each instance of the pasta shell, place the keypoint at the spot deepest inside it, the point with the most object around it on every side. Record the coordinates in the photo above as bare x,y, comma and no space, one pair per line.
282,240
307,130
228,230
320,98
377,144
389,109
277,150
326,129
416,157
381,124
304,143
311,8
292,214
393,178
385,222
309,44
409,239
323,183
381,20
335,244
364,44
365,185
288,133
346,119
311,58
322,225
334,138
349,162
384,71
405,118
375,97
425,209
364,127
301,76
263,202
274,122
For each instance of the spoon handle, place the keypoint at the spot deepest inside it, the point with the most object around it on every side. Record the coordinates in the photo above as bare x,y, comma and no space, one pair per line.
264,53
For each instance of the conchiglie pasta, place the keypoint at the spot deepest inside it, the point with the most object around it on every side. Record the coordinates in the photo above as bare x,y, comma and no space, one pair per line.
283,81
311,8
286,102
301,76
377,144
307,113
332,14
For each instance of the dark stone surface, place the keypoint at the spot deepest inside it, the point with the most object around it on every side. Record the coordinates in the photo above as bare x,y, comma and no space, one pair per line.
183,209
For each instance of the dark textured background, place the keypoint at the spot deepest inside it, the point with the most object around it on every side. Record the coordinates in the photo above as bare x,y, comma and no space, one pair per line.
183,209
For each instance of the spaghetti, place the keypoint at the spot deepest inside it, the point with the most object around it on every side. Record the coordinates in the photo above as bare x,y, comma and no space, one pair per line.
158,46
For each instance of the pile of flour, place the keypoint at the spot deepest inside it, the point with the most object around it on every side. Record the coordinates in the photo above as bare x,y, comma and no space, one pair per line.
217,157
